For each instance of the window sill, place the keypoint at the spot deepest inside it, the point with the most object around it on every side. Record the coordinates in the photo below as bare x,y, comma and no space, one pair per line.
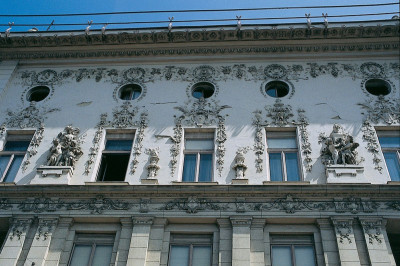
393,183
106,183
194,183
286,183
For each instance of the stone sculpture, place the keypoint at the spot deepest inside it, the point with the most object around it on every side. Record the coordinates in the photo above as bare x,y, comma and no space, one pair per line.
340,147
153,167
66,148
240,167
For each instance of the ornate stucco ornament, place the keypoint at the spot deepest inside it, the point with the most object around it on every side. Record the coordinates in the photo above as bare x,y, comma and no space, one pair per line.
202,113
379,110
33,146
19,227
29,117
98,205
39,205
123,116
66,148
193,205
343,228
279,115
339,148
45,228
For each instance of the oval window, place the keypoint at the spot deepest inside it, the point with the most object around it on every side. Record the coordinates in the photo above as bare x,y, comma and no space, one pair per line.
203,90
378,87
277,89
38,93
130,92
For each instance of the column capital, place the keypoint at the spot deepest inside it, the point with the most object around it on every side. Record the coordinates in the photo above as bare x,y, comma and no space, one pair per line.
19,226
373,227
343,228
46,227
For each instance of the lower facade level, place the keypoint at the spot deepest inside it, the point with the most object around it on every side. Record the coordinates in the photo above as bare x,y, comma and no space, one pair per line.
178,225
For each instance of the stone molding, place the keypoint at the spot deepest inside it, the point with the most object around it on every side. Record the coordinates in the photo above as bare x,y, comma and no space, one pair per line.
142,221
241,221
107,42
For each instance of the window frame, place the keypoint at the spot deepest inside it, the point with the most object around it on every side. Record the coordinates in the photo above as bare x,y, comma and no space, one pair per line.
199,135
11,137
286,133
95,239
392,132
292,241
191,240
115,135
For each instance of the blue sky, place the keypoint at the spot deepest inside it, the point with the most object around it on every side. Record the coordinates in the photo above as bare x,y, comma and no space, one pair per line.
91,6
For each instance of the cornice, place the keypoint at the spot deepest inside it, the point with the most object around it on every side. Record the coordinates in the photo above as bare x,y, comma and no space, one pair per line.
204,42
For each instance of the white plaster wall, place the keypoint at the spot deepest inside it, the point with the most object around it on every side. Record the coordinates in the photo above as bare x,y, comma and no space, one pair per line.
325,99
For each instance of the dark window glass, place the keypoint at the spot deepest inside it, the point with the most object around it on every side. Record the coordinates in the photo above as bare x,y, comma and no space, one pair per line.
130,92
203,90
378,87
277,89
38,93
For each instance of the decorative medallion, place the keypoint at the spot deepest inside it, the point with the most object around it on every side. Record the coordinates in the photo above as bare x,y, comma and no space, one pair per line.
193,205
275,71
372,69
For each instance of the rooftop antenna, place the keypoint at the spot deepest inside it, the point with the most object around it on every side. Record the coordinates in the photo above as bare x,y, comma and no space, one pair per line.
239,23
51,24
103,29
325,20
308,20
7,32
170,23
87,30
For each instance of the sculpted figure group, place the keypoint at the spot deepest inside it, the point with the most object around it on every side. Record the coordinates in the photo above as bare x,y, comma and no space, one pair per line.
340,147
66,149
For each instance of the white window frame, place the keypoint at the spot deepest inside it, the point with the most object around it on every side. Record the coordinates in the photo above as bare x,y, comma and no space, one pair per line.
116,135
199,135
389,132
281,134
14,136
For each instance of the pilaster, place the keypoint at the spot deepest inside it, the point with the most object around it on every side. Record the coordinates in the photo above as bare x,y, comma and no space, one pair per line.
155,242
346,241
328,238
139,241
41,242
15,241
7,69
58,241
257,242
124,241
225,242
240,240
374,230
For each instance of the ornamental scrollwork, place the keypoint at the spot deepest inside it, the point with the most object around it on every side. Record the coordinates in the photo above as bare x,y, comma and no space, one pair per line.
5,204
355,205
192,205
33,146
289,204
316,70
123,116
202,113
280,115
29,117
382,110
369,135
39,205
98,205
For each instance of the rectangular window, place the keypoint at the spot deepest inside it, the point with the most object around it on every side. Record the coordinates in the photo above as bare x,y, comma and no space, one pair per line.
12,155
115,157
292,250
190,250
390,144
283,156
198,159
92,250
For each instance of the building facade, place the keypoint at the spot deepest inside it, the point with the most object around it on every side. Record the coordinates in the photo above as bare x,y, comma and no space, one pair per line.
201,146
